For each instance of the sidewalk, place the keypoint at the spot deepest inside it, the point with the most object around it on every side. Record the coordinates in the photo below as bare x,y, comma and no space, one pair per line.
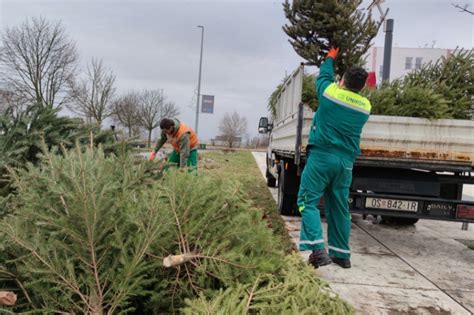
420,269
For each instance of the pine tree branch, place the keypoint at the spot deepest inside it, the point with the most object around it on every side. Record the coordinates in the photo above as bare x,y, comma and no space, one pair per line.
250,295
195,288
18,282
182,240
463,9
96,296
203,231
213,275
68,284
226,262
175,287
149,237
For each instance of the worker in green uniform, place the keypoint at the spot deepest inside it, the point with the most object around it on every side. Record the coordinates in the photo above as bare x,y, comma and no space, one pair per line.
184,141
333,145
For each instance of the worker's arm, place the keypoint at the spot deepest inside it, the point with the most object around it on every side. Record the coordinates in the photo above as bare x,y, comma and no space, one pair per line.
160,143
184,150
158,146
326,72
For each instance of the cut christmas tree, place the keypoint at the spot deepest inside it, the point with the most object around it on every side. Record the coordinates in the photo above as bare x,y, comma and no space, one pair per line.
316,26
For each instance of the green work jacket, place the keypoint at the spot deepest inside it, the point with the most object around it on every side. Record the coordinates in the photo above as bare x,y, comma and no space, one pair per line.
340,117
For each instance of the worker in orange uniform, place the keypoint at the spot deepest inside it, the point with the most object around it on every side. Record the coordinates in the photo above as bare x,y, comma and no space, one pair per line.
184,141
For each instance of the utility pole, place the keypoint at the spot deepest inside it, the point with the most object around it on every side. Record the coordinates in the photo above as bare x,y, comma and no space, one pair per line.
387,50
199,81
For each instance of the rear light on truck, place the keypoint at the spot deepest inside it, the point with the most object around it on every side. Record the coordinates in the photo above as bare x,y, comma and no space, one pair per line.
465,212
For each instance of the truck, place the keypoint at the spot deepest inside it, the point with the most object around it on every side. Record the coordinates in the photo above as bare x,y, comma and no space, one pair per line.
409,168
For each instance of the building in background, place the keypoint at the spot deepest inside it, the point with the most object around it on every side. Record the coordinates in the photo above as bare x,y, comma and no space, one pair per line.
404,60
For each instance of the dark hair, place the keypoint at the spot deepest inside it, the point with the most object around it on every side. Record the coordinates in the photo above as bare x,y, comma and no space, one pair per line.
166,123
354,79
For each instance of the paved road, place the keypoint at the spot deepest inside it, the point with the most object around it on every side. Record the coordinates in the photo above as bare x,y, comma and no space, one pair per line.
420,269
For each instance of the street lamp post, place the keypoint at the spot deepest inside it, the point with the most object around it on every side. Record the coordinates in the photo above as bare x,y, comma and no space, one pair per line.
199,81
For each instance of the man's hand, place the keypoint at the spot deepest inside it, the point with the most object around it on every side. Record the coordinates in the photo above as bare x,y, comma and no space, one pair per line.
7,298
152,156
333,53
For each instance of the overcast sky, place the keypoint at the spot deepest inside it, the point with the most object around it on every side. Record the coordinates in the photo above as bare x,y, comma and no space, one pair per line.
156,44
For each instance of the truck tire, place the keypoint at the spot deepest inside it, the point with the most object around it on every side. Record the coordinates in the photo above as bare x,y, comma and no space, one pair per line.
271,181
287,193
398,220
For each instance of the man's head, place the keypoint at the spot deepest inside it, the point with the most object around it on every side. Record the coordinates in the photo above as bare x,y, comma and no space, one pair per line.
354,79
167,125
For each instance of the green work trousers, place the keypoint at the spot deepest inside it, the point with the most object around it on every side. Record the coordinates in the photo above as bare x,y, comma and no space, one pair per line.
329,175
173,159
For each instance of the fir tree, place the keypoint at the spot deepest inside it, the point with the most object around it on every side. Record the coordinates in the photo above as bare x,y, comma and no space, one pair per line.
440,89
88,233
296,290
79,232
452,77
308,96
225,238
314,26
22,135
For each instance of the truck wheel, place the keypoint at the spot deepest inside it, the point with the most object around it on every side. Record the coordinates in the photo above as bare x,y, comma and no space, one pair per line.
286,195
398,220
271,181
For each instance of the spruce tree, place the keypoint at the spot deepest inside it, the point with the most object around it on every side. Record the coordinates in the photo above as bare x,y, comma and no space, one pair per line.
308,96
314,26
217,227
296,290
87,233
22,135
78,233
440,89
451,77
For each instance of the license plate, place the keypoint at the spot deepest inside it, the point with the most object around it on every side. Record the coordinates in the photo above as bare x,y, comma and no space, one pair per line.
391,204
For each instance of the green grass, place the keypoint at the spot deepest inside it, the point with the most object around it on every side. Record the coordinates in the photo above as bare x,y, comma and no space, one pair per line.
241,166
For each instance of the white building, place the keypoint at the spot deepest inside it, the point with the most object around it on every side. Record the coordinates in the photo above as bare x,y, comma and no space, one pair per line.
404,60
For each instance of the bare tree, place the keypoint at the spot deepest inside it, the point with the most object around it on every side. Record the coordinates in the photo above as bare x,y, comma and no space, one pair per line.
152,108
464,8
232,126
4,101
11,101
38,59
125,111
259,141
92,96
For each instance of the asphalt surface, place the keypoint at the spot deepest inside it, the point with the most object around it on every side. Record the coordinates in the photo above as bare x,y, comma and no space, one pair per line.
425,268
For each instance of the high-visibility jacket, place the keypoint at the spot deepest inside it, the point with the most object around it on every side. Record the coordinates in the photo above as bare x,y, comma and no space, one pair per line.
340,117
174,139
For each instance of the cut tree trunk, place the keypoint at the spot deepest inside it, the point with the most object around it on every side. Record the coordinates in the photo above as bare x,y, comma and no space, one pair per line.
176,260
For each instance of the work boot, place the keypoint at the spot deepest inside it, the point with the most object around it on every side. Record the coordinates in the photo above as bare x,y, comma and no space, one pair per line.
343,262
319,258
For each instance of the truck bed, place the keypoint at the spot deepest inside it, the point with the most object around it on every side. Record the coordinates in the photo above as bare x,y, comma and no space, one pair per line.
414,163
419,139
